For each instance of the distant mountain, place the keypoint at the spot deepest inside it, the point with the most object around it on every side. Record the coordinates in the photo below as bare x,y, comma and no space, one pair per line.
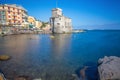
115,26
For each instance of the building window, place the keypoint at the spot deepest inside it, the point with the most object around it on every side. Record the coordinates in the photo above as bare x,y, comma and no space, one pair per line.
3,13
4,17
8,11
9,8
55,13
9,21
58,23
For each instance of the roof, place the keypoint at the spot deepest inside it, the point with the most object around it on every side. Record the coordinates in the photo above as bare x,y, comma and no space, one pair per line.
54,9
14,5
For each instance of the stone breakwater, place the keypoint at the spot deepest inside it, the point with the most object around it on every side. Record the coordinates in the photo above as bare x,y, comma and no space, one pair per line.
109,68
24,32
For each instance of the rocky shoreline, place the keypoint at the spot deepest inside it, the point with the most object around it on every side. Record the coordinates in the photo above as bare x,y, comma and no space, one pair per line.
25,32
108,69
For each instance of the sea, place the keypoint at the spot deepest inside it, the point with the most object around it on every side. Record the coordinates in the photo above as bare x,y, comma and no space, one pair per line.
60,57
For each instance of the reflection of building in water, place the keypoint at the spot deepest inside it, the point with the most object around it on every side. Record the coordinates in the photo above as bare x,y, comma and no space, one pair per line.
60,44
19,44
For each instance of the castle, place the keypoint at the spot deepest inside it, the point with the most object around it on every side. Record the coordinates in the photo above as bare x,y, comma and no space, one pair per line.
59,23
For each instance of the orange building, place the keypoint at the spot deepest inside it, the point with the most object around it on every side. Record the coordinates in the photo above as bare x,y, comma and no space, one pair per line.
11,14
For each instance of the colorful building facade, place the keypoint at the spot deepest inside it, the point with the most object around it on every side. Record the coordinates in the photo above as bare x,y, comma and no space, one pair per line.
33,23
11,14
31,20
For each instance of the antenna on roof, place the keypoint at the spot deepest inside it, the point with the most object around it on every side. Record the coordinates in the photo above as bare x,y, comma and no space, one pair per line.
56,3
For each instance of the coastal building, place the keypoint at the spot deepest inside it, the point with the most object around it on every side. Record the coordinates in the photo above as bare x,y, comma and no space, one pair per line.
38,24
31,21
59,22
47,28
11,14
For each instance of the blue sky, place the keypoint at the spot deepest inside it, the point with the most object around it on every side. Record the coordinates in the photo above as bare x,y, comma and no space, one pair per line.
82,12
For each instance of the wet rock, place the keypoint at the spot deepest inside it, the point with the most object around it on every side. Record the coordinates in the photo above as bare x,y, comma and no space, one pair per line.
2,77
74,77
4,57
109,68
47,76
37,79
23,78
52,36
82,73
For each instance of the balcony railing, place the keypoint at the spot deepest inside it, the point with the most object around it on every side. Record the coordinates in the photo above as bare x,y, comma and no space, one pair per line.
9,10
15,14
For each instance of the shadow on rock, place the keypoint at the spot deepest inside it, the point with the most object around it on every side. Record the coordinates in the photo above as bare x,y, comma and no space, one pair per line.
23,77
88,72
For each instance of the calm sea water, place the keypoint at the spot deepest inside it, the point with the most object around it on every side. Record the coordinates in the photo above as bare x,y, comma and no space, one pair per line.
40,56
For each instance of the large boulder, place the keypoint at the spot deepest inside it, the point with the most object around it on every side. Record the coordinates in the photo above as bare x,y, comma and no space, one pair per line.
109,68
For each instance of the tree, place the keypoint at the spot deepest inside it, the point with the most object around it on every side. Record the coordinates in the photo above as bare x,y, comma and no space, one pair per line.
44,24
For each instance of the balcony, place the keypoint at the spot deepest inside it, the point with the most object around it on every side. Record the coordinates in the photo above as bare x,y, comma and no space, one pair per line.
15,14
24,15
15,19
9,18
9,10
9,13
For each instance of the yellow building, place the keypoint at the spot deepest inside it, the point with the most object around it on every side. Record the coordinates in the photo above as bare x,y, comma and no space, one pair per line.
11,14
31,20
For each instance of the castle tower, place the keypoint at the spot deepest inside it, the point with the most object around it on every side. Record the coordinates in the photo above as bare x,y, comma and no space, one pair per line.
60,23
56,12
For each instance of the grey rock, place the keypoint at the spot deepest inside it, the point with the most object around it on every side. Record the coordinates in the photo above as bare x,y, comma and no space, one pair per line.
109,68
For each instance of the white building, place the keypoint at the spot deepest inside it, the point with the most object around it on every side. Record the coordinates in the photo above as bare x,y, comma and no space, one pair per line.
38,24
60,23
